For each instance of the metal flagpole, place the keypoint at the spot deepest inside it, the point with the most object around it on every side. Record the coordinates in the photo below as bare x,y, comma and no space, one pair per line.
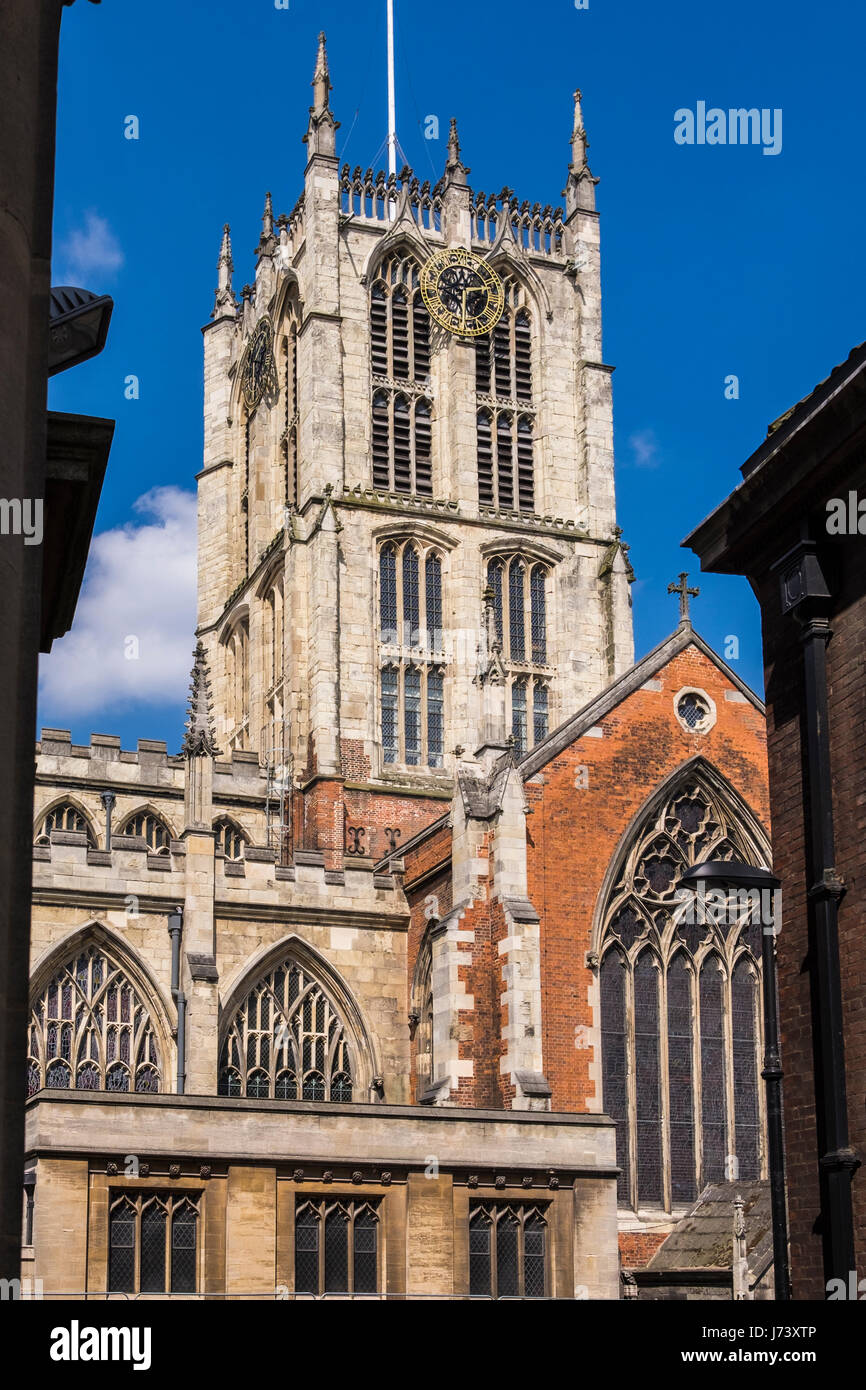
392,99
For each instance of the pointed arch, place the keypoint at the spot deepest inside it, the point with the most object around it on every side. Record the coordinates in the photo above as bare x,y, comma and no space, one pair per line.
98,1020
151,824
680,1040
754,840
55,810
231,838
350,1051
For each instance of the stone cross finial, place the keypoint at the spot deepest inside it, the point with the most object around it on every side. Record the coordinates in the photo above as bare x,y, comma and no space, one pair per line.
684,592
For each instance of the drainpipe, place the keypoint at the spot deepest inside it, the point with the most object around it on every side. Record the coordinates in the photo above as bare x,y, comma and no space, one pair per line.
108,799
805,592
175,928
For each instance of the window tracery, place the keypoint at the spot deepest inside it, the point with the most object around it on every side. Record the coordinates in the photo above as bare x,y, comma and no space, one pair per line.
287,1041
411,640
680,1009
90,1030
519,588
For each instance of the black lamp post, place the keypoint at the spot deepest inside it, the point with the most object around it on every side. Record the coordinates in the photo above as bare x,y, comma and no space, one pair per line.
730,875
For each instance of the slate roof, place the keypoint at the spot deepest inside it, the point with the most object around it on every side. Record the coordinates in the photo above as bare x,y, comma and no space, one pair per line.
704,1238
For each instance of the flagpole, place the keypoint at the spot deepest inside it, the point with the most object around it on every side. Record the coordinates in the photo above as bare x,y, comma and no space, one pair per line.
392,98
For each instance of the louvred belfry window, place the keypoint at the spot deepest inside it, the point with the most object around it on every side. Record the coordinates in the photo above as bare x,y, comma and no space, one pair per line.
400,357
90,1030
519,588
287,1041
411,663
680,1017
505,421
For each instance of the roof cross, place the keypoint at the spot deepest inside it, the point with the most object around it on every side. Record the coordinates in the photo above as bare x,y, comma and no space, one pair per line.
684,592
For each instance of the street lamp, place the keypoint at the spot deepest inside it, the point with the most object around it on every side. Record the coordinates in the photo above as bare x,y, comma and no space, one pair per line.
729,875
77,326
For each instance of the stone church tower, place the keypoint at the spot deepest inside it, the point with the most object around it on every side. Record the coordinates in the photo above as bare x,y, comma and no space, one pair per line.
360,993
367,475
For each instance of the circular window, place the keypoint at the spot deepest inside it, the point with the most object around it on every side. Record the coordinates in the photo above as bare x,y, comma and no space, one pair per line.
695,711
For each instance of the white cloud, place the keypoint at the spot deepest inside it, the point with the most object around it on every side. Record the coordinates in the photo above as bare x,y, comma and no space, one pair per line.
91,250
644,447
132,639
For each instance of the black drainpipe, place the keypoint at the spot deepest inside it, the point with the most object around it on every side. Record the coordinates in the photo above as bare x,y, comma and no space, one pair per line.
805,591
108,800
175,928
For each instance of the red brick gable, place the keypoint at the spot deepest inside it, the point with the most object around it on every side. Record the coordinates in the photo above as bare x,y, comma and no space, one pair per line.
583,798
575,831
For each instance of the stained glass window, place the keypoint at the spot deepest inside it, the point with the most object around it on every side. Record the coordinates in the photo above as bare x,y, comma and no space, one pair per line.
281,1039
664,966
91,1030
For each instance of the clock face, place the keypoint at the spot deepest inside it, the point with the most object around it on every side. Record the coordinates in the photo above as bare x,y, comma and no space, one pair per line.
462,292
259,370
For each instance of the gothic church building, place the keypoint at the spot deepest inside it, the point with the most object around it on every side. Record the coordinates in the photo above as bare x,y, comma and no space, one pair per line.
378,987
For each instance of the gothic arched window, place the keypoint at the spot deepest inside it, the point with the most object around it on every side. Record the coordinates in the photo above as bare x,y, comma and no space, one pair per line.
148,826
519,589
411,661
230,841
506,413
65,817
400,355
679,993
91,1031
287,1041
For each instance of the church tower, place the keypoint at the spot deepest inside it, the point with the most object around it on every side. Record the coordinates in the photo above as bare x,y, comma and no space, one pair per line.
408,422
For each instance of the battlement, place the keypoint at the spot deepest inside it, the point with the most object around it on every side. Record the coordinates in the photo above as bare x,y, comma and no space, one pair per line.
56,752
68,862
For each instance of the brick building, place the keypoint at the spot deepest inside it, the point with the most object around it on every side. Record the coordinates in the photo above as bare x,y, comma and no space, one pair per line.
795,526
336,999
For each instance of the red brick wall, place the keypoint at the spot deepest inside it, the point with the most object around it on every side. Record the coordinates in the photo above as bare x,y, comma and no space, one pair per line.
575,833
572,837
636,1248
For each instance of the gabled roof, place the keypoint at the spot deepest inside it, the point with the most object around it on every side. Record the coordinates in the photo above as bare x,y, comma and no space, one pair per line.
477,799
637,675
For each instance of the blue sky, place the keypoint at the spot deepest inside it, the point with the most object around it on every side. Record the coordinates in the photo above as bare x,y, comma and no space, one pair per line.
716,260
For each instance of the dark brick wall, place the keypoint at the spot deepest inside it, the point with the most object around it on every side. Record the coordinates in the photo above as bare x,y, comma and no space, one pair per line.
846,666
